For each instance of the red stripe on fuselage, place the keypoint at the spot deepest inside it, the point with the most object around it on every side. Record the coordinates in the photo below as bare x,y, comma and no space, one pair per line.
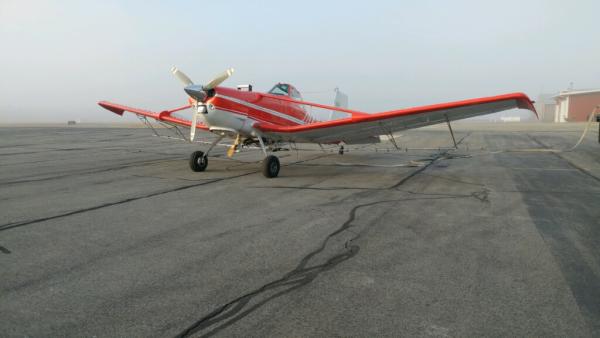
269,102
240,113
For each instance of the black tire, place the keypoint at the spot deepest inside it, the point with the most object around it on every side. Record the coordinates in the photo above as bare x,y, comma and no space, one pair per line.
341,151
271,166
198,161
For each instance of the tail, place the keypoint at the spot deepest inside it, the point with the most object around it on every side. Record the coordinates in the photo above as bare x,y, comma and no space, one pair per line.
340,101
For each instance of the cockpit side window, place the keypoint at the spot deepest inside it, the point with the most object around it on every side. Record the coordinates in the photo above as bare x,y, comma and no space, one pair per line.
280,89
295,94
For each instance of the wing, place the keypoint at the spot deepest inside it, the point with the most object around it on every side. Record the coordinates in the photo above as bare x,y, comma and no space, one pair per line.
364,126
163,116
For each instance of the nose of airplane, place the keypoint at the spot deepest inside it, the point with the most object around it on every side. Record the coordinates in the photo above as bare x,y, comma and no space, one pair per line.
197,92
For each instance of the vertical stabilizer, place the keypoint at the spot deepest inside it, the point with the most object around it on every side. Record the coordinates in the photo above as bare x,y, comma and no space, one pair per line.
340,101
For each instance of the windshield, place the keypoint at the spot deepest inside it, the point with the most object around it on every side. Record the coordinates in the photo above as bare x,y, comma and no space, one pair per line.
279,89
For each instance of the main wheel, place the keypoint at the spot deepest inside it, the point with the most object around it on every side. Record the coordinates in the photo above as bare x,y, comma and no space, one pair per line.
271,166
341,151
198,161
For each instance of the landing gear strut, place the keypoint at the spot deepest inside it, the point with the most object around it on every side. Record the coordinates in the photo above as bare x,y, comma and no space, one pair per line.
341,151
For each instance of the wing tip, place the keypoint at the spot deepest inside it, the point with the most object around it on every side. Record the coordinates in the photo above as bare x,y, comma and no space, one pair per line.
524,102
111,107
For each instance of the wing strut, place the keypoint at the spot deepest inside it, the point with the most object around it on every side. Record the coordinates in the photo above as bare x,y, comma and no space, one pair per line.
451,132
393,140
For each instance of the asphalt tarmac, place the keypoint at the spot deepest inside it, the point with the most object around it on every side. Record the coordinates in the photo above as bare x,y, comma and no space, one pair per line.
106,232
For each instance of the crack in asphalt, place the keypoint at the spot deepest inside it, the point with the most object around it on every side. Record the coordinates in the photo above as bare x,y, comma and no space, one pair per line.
436,158
48,150
481,195
306,270
29,162
110,204
171,178
432,160
88,172
22,153
18,145
314,188
304,273
131,199
455,180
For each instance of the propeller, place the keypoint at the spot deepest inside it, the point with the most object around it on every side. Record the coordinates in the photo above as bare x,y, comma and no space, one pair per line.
199,93
219,79
181,76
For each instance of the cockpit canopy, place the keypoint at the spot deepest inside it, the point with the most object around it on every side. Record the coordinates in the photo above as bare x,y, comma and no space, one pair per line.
286,89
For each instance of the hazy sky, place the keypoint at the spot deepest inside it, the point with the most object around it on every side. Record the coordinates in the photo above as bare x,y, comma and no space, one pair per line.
58,58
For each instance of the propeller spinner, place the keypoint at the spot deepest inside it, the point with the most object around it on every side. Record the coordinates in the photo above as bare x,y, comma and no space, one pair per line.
199,93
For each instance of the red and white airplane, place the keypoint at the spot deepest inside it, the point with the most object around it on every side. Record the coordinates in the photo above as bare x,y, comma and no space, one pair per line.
281,116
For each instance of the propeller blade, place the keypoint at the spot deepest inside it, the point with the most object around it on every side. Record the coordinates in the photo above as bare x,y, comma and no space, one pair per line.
219,79
181,76
193,126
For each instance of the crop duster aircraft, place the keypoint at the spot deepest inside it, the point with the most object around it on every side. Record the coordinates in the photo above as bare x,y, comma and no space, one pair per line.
281,116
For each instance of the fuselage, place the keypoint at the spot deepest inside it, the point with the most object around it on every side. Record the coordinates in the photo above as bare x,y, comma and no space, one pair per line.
233,110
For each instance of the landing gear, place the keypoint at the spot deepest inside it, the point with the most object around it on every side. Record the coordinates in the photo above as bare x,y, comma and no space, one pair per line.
271,166
198,161
341,151
270,163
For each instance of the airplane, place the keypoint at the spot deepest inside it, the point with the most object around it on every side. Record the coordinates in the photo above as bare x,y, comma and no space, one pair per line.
279,116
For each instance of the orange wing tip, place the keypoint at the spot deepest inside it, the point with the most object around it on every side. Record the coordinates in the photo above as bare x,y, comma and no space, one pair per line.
526,103
113,108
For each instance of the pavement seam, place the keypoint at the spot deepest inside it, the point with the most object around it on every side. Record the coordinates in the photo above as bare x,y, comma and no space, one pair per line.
557,154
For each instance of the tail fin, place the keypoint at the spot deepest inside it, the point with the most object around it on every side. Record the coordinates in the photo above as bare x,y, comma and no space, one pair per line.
340,101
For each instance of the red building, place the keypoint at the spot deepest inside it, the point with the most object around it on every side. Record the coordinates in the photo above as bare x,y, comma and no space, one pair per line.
576,105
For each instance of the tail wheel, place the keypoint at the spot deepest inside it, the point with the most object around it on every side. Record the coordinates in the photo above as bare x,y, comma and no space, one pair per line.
198,161
271,166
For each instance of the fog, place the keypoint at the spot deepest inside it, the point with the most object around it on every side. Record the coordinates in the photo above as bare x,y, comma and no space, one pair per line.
59,58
